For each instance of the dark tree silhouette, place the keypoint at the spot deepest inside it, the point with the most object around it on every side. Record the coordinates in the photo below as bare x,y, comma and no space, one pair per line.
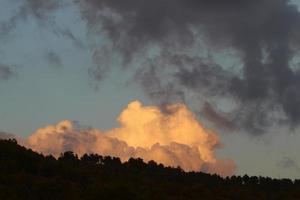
25,174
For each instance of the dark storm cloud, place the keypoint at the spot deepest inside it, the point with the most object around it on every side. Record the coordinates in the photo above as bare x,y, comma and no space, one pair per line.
265,33
217,118
6,71
156,82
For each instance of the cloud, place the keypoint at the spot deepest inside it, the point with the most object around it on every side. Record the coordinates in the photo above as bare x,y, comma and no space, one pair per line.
217,118
43,12
287,163
172,47
67,33
40,10
265,36
176,139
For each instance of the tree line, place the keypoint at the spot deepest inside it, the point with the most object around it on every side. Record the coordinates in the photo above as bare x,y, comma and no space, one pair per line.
25,174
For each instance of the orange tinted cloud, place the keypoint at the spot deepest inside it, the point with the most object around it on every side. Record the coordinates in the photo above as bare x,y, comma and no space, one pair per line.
173,139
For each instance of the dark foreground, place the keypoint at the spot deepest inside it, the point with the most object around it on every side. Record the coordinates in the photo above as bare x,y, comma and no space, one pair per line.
25,174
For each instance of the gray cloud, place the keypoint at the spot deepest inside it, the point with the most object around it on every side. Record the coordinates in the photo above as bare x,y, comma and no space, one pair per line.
288,164
43,12
265,34
37,9
67,33
219,119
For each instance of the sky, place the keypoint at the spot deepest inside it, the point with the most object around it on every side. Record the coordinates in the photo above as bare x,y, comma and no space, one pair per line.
234,65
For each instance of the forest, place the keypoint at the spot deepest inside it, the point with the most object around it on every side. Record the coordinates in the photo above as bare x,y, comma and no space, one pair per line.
25,174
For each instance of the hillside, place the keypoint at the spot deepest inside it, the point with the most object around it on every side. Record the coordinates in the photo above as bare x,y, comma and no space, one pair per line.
25,174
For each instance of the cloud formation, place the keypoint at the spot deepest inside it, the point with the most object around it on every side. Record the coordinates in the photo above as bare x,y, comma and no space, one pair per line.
264,34
217,118
173,49
176,139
